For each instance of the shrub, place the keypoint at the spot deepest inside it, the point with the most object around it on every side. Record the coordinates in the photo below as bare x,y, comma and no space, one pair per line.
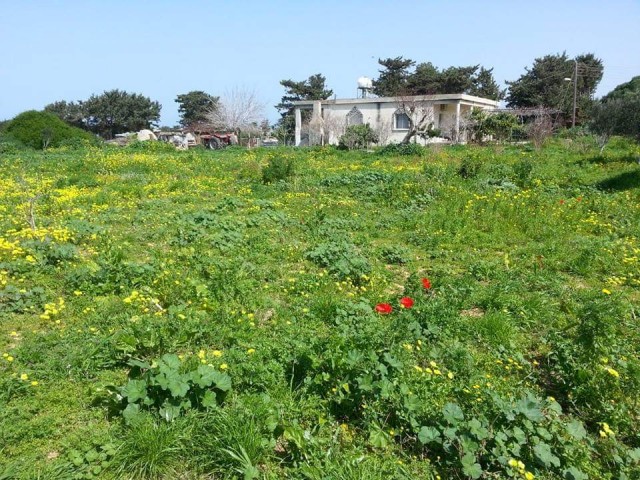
470,166
407,149
278,168
42,130
358,136
342,259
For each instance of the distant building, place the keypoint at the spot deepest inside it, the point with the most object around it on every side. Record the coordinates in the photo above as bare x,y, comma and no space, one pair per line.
388,116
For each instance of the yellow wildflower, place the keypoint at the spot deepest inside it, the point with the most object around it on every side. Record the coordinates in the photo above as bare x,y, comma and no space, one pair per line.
612,372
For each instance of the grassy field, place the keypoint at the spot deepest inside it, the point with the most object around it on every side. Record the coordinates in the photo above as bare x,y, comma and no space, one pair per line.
461,312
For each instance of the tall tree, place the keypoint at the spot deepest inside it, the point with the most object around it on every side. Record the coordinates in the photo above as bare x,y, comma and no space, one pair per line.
117,111
239,110
618,113
545,84
70,112
425,80
398,80
313,88
457,79
485,86
632,87
393,77
195,106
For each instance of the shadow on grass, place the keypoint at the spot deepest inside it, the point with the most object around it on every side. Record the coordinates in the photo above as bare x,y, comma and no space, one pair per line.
620,182
610,159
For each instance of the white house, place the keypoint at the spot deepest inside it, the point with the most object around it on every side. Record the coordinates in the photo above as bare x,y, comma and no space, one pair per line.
388,116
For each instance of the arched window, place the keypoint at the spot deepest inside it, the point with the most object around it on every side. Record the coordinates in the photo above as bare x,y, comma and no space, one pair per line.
354,117
400,120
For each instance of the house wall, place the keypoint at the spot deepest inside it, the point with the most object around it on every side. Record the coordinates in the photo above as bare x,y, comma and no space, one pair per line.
380,116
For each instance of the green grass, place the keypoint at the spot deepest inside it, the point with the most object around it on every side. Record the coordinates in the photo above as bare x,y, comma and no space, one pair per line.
525,349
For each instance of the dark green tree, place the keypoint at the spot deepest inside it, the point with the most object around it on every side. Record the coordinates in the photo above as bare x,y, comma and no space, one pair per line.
397,80
484,85
70,112
544,84
194,106
44,129
632,87
618,113
117,111
393,77
457,79
313,88
425,80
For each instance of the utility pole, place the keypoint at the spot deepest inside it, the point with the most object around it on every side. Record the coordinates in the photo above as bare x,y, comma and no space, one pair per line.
575,92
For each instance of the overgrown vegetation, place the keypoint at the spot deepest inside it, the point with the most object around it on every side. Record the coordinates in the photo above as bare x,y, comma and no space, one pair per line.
449,312
41,130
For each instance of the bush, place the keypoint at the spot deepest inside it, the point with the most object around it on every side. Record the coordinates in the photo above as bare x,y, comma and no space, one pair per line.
278,168
41,130
358,136
408,149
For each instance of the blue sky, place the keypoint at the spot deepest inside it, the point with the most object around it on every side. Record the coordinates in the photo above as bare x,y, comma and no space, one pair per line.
67,50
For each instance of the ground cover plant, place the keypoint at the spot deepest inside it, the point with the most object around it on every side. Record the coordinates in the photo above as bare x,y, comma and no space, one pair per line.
455,312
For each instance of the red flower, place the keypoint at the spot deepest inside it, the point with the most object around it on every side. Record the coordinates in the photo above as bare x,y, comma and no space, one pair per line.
406,302
384,308
426,283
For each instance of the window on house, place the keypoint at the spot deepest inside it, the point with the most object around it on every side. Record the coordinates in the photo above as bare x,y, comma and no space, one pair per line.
354,117
400,121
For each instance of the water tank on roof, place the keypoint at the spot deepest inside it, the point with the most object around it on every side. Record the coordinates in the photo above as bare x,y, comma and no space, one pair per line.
364,86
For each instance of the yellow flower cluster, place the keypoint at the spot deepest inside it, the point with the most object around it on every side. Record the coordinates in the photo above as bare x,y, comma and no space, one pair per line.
53,309
432,369
521,468
145,302
605,430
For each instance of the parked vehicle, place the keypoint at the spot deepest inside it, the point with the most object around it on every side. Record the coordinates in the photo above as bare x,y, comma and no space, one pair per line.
216,141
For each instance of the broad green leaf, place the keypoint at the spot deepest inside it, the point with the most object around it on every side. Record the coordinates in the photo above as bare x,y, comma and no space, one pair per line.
477,430
222,381
470,467
392,361
452,413
378,438
171,361
205,376
178,386
576,429
169,412
428,434
543,453
572,473
530,408
634,455
386,388
209,399
134,390
131,413
140,364
411,403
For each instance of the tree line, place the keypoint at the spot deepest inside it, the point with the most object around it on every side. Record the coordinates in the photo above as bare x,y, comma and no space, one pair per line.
553,82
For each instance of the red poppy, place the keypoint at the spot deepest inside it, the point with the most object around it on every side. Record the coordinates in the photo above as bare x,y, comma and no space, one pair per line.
426,283
384,308
406,302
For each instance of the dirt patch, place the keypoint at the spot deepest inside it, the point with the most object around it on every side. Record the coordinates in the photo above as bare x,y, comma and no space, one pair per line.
474,312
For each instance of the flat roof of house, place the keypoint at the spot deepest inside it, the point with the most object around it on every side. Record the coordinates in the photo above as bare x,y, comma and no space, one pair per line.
441,98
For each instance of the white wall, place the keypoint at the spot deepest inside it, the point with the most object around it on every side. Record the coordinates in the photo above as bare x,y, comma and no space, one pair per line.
380,116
